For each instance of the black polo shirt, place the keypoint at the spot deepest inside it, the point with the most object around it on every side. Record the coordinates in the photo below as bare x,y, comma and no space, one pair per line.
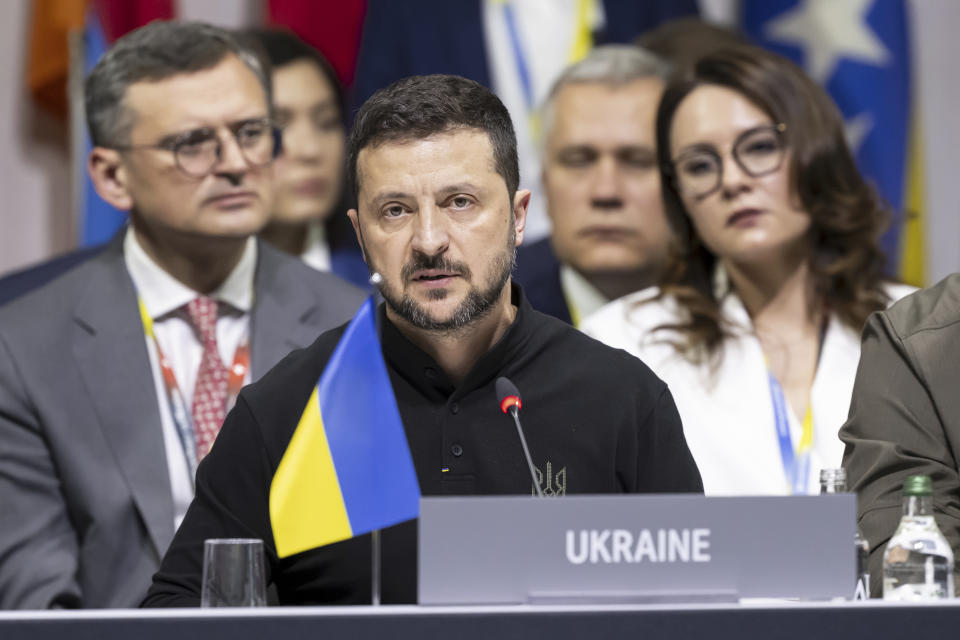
596,419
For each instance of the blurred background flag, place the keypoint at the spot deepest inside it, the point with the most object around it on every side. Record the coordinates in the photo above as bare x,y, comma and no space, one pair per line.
347,469
859,50
528,43
97,220
48,64
67,39
333,27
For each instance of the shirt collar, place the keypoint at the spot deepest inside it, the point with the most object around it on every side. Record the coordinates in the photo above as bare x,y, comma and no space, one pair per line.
581,295
411,362
162,293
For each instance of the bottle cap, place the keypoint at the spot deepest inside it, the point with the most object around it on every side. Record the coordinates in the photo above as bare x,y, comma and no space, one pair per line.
918,486
838,474
833,480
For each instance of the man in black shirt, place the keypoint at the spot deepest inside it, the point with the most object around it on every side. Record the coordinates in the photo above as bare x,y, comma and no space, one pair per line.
433,165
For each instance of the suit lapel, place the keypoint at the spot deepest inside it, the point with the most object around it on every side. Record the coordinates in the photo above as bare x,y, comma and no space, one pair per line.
111,353
282,312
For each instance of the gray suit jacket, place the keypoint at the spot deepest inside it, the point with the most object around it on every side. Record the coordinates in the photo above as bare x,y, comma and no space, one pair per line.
905,415
85,499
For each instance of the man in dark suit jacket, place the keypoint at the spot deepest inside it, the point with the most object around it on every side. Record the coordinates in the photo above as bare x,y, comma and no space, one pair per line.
905,415
104,410
602,185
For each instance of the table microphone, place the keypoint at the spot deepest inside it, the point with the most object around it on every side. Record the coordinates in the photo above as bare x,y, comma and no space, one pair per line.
509,397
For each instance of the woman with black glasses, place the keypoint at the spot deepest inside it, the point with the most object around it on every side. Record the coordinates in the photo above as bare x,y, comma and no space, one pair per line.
775,267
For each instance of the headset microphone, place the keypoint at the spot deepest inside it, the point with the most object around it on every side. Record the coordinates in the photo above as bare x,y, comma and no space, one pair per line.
509,397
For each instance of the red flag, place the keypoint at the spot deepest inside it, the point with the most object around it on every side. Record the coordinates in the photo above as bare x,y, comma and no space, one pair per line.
332,26
119,17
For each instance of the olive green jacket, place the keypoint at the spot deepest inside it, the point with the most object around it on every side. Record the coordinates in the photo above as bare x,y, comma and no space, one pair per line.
905,415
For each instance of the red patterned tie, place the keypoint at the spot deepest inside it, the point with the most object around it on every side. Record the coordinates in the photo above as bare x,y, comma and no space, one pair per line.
210,391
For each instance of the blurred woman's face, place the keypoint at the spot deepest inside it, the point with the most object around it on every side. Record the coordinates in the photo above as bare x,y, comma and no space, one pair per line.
309,172
733,173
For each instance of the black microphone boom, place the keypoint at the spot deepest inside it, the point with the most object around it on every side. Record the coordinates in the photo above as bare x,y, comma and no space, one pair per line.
509,398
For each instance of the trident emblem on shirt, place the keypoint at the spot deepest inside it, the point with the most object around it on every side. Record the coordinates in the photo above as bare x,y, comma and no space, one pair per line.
556,485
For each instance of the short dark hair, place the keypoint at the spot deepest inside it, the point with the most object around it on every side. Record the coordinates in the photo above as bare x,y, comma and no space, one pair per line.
157,51
847,217
281,47
422,106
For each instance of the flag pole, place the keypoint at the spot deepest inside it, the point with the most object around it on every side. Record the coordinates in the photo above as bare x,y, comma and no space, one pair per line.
78,128
375,564
375,280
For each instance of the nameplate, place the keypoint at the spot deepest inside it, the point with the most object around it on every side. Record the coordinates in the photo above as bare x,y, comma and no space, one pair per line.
635,548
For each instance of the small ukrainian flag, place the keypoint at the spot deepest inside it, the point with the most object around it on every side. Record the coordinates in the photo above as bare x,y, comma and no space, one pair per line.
347,469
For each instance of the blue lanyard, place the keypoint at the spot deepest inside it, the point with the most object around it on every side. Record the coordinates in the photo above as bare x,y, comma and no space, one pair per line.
796,465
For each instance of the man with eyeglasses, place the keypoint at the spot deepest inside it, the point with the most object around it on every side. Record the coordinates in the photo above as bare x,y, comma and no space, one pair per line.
115,377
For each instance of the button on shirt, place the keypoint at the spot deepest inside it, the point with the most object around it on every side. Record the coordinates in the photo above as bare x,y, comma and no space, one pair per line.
165,298
596,421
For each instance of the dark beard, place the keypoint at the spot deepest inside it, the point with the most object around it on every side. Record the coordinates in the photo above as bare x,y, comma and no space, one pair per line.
477,304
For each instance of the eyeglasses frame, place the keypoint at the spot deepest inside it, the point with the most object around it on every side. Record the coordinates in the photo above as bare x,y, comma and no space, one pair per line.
778,129
172,146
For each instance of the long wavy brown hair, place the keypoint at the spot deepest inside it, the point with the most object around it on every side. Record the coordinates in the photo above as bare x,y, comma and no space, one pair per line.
846,263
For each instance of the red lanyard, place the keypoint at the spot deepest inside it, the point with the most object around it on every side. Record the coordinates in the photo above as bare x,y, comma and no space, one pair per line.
179,411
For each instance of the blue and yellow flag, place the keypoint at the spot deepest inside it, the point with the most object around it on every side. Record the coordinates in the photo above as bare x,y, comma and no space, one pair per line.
859,51
347,469
99,221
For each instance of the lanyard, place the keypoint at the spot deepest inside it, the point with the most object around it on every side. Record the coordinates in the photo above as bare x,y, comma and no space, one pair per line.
796,463
182,418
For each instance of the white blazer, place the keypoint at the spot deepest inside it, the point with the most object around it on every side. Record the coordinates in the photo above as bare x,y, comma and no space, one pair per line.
727,411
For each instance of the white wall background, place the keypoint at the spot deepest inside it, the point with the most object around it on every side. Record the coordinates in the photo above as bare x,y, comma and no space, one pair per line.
36,220
937,72
35,197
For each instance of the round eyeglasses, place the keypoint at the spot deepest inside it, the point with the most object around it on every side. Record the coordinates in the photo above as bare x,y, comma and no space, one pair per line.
758,151
197,152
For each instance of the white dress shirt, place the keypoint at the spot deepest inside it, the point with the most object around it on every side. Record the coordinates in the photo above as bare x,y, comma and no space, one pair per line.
727,411
316,251
582,298
165,298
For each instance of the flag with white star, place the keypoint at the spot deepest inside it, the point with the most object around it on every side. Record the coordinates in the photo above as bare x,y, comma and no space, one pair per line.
858,50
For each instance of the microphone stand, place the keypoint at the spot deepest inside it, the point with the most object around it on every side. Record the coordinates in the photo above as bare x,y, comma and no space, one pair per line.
375,280
526,452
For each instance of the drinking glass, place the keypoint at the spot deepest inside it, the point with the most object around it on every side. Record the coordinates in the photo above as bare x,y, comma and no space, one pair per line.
233,573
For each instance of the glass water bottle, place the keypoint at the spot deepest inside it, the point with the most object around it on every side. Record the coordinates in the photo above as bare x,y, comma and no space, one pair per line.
918,561
835,481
